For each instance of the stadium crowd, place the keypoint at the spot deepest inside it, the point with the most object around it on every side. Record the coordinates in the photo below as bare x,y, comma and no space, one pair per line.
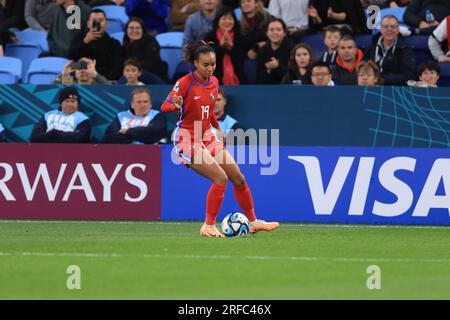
272,37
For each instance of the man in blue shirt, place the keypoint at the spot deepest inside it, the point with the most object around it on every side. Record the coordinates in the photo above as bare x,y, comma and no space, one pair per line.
200,23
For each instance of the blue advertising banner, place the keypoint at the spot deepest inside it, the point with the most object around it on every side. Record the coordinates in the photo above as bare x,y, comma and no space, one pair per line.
325,185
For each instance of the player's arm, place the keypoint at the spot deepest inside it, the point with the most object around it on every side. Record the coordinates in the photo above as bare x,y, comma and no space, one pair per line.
174,100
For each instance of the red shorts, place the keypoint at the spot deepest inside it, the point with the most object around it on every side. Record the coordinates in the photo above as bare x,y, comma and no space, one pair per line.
187,148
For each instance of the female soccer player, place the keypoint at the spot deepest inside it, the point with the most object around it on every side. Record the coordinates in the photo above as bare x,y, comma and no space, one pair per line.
196,142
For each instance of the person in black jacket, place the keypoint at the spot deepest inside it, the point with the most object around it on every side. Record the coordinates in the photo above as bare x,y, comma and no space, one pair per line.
416,14
273,57
138,125
300,63
229,45
143,47
64,125
392,54
96,44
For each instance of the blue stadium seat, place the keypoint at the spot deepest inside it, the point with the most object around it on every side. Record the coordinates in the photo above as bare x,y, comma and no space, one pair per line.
116,16
45,70
30,36
444,79
316,42
10,70
171,44
420,46
238,13
25,52
118,36
363,41
397,12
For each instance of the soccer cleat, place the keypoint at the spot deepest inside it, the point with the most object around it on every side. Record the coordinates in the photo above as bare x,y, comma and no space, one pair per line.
261,225
210,231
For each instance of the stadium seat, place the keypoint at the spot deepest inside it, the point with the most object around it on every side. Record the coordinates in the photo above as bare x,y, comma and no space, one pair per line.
238,13
118,36
29,36
45,70
171,44
316,42
363,41
114,26
114,12
10,70
420,47
397,12
444,79
25,52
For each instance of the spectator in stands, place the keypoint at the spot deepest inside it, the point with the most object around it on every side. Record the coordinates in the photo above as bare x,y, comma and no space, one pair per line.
429,73
132,70
426,14
348,13
2,134
273,57
392,54
139,124
349,57
65,125
96,44
226,122
254,21
299,65
439,41
180,11
39,13
385,3
13,15
200,23
152,12
138,44
368,74
321,74
229,45
294,13
332,37
59,35
81,72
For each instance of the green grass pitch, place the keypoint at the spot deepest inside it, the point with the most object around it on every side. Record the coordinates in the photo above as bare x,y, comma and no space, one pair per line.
169,260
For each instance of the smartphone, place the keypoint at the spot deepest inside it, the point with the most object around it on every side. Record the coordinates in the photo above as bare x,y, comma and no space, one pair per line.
79,65
96,25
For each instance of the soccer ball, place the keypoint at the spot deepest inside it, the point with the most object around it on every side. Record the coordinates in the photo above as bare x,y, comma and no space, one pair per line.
235,224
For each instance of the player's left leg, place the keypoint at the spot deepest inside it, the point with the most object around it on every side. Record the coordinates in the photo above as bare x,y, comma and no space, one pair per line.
242,192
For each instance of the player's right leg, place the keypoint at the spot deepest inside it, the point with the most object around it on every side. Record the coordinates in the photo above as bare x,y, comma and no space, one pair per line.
204,164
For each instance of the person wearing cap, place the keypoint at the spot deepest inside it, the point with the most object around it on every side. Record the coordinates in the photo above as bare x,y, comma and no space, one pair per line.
2,134
138,125
64,125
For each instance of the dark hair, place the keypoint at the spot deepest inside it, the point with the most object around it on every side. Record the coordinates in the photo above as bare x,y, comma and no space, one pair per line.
280,21
390,17
429,65
126,39
333,29
292,63
321,64
132,62
193,50
347,37
225,10
96,11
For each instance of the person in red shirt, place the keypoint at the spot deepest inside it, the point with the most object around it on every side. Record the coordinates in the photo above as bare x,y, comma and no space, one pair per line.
198,140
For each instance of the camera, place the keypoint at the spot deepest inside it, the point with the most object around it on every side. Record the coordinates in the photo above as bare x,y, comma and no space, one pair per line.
79,65
96,25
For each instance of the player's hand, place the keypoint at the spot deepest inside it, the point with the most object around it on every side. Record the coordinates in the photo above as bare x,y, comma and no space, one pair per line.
177,101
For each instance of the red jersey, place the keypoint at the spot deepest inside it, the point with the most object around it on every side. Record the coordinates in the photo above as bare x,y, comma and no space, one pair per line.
199,99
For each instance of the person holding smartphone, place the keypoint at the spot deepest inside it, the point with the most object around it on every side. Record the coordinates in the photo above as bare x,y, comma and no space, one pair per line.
97,45
81,72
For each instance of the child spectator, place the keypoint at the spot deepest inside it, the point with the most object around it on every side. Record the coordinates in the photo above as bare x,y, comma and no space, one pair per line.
226,122
332,37
132,70
428,75
368,74
299,63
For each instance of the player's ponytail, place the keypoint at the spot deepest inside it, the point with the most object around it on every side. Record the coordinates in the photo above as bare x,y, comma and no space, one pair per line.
193,50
